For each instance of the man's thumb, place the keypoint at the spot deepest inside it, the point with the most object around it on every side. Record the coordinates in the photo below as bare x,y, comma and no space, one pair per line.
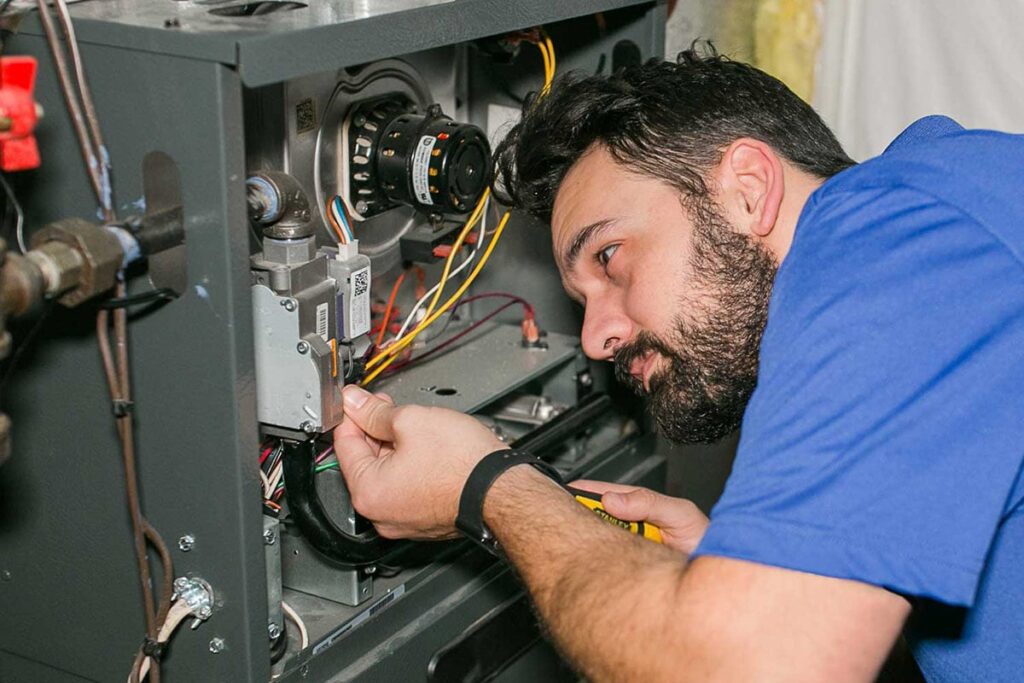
372,414
632,506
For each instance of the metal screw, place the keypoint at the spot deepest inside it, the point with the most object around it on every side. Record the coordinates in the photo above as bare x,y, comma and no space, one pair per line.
308,427
362,206
268,537
217,645
273,630
370,570
5,575
585,379
172,23
302,347
186,543
289,305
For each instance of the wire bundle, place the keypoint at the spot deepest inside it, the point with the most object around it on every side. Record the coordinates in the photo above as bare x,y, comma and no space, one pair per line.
339,220
390,353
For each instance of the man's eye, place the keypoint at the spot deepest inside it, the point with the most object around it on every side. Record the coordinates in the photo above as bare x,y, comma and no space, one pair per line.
605,255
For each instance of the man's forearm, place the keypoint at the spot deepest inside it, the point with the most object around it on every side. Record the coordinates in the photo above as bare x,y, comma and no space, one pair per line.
609,598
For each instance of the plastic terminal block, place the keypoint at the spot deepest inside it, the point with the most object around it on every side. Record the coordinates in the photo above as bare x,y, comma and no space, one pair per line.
351,272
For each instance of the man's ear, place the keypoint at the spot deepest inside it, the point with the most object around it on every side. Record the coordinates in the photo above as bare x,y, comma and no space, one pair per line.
751,180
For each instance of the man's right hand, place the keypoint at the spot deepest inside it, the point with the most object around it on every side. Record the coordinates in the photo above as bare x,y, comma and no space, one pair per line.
681,522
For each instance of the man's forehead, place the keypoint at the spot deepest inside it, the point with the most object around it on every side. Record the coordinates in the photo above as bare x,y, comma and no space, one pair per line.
582,198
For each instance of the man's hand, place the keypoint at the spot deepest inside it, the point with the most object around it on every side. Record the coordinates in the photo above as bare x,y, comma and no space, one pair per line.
681,522
405,466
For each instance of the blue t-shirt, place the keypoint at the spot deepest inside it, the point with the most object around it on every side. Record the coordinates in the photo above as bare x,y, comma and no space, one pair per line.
885,439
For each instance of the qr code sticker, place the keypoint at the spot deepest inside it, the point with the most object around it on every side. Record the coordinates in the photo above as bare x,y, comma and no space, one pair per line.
360,282
305,116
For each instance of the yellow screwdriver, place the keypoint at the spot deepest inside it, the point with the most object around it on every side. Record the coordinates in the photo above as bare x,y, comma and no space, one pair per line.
593,501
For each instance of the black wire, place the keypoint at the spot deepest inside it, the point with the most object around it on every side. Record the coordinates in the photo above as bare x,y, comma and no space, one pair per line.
161,294
25,343
19,216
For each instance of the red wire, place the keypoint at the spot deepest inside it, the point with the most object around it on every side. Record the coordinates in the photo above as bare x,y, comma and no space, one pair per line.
263,456
387,310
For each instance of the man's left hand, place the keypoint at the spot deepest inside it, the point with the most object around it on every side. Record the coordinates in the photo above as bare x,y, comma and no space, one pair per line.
405,466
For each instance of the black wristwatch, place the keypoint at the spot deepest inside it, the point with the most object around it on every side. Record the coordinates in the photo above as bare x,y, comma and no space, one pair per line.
471,504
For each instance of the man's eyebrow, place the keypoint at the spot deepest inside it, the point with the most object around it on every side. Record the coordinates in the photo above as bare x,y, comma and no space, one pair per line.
582,239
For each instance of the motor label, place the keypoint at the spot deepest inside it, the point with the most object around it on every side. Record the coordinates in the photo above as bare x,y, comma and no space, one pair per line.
421,169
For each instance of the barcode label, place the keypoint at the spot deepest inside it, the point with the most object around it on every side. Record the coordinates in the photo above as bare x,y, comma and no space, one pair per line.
322,313
359,318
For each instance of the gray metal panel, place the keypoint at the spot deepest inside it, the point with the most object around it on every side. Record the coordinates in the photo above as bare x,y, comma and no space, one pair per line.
326,35
73,600
492,363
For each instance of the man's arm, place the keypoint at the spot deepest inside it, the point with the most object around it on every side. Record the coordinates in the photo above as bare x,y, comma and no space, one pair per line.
623,608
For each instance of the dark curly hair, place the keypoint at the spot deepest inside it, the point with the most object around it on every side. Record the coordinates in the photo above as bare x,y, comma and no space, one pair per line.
670,121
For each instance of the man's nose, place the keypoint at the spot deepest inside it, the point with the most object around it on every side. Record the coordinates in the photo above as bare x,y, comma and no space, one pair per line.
605,329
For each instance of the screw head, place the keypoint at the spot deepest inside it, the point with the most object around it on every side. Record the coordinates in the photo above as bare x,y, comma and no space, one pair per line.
273,630
217,645
172,23
308,427
289,304
585,379
186,543
362,206
269,537
302,347
6,575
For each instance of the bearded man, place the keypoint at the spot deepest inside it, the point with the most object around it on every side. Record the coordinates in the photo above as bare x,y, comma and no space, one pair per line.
864,322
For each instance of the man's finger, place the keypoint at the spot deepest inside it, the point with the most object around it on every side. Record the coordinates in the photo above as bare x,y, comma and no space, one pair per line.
373,415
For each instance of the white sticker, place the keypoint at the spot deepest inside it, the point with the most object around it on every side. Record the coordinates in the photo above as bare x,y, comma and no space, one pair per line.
421,169
359,318
322,314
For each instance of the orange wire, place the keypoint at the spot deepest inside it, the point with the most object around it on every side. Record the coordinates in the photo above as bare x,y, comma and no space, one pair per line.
387,310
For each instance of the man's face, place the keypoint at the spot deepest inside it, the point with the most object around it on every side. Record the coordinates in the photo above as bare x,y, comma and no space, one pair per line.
674,296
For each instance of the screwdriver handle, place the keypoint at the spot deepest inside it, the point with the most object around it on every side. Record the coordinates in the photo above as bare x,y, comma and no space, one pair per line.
593,502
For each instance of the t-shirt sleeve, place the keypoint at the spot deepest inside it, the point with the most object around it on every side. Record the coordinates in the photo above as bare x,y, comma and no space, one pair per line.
887,427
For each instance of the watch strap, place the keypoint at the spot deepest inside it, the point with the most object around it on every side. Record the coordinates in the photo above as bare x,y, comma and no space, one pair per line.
470,519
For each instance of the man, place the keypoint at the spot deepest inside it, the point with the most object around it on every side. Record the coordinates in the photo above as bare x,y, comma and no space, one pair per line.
693,207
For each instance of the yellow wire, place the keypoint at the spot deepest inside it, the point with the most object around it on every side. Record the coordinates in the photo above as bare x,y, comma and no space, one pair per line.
548,73
474,218
551,55
407,339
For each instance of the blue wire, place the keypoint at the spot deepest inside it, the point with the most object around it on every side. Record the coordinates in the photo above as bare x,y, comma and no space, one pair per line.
340,214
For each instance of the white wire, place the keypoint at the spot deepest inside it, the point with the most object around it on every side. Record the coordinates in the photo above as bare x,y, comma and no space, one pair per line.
266,484
294,616
462,266
178,613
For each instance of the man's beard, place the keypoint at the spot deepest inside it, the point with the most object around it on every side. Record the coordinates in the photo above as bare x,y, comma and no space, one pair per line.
712,352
